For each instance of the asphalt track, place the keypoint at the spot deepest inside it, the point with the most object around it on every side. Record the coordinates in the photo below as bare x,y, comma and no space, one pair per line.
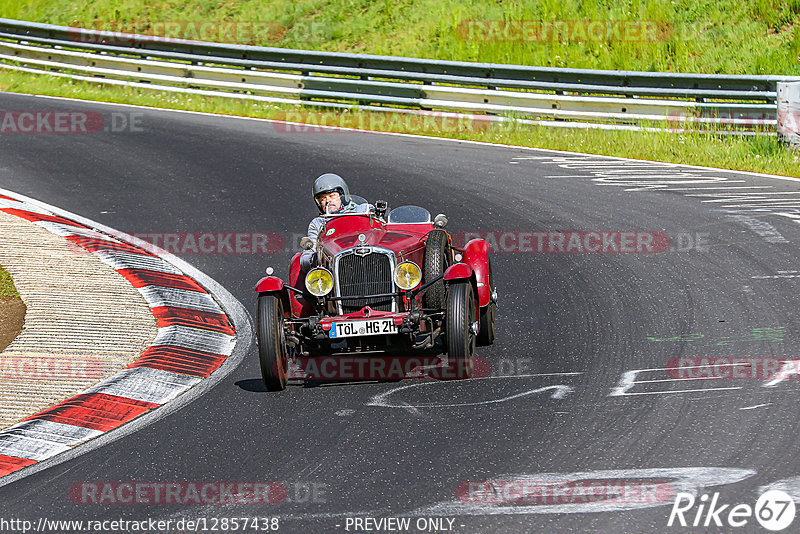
579,321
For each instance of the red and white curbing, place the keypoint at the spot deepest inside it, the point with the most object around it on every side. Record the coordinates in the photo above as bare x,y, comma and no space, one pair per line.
195,338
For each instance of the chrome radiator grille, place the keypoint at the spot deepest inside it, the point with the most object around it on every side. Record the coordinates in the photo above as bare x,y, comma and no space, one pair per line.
365,275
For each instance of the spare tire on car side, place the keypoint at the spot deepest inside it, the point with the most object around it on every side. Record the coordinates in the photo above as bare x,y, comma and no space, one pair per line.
438,257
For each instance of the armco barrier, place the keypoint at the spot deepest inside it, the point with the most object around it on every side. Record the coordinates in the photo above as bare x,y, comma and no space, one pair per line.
361,81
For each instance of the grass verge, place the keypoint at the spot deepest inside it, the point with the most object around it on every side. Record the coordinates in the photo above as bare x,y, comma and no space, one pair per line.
757,154
723,36
7,288
12,310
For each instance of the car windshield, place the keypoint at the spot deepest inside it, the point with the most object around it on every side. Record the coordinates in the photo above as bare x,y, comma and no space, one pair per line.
409,215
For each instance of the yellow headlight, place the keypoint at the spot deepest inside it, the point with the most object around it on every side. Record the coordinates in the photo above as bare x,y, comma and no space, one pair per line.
407,275
319,281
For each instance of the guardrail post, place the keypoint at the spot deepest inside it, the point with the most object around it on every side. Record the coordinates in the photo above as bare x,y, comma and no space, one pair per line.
789,113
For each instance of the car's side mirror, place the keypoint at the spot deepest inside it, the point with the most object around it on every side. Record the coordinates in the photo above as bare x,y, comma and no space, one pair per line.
306,243
440,221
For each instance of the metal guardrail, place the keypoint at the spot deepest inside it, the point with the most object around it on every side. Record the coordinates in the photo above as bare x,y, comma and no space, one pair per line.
385,82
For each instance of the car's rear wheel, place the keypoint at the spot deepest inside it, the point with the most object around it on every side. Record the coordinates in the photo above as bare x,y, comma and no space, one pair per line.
458,329
486,333
437,259
272,351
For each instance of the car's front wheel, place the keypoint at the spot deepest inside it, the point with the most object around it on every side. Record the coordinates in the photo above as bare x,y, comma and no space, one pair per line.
459,330
272,351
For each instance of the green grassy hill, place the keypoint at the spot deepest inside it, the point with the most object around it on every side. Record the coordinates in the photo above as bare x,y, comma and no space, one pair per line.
714,36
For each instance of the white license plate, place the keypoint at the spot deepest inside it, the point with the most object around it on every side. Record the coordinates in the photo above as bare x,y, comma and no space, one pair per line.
372,327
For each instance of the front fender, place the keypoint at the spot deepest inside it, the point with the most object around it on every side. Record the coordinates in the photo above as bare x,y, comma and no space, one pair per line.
268,284
476,255
274,285
458,271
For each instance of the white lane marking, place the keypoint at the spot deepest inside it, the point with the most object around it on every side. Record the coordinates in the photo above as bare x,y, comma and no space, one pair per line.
615,169
130,260
639,179
769,209
757,406
609,175
194,338
620,166
145,384
628,381
762,228
775,277
758,197
721,188
764,208
789,485
652,177
559,392
659,181
587,156
625,172
645,179
789,368
746,194
157,296
344,413
680,479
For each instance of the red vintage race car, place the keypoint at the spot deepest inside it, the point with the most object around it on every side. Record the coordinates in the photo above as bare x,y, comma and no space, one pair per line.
386,282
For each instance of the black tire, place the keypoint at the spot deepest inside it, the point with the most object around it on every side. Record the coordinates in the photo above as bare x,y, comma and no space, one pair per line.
460,339
486,333
437,260
272,353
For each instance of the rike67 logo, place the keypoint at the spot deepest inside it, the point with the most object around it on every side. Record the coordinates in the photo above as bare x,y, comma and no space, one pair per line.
774,510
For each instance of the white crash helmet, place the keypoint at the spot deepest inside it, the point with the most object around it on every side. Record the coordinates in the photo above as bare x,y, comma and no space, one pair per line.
327,183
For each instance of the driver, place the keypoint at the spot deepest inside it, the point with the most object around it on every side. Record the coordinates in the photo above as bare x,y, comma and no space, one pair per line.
331,196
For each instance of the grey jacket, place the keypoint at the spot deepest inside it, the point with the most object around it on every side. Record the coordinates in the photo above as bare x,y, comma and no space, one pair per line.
309,257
